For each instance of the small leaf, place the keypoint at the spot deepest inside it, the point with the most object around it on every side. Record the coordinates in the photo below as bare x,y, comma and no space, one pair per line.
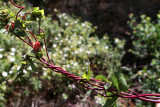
107,85
20,73
35,9
87,75
41,36
84,76
101,78
33,67
114,80
110,102
11,14
121,82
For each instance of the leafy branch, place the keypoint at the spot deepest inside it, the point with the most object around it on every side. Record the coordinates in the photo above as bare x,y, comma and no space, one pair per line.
113,88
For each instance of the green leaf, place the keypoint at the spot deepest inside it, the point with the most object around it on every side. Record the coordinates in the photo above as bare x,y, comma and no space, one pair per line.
87,75
110,102
18,23
101,78
114,80
11,14
41,35
20,32
119,81
35,9
107,85
20,73
37,15
42,12
33,67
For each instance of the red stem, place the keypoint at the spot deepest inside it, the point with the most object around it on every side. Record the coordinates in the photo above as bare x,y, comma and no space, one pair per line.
16,5
32,35
84,82
18,13
47,51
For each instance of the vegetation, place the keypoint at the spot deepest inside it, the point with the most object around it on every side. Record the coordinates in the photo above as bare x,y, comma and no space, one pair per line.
71,44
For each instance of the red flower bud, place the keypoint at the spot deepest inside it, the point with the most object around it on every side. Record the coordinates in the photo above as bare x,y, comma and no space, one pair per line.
36,46
12,25
24,17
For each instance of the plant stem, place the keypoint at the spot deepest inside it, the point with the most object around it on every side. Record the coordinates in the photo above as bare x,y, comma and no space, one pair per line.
16,5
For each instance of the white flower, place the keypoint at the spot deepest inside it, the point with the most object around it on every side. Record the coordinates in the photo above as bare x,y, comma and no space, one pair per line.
4,74
66,24
54,45
56,38
88,52
80,49
65,55
24,71
54,55
12,53
97,42
80,37
49,53
59,34
63,14
55,10
30,68
79,42
43,46
69,41
1,49
18,67
87,63
61,30
10,72
12,59
60,16
104,37
44,69
13,49
75,64
66,49
116,40
63,58
61,52
66,39
1,56
83,24
45,73
75,52
106,47
75,22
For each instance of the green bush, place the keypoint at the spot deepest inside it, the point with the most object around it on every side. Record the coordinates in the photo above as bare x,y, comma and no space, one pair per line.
146,46
72,45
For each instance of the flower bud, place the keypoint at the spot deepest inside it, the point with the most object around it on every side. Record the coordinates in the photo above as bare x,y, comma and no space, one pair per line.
12,25
36,46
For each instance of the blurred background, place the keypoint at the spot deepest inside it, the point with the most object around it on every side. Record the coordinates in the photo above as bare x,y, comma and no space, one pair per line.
104,34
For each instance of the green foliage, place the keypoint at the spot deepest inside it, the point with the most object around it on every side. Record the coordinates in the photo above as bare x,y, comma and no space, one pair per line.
110,101
146,45
119,81
72,45
101,78
87,75
37,15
